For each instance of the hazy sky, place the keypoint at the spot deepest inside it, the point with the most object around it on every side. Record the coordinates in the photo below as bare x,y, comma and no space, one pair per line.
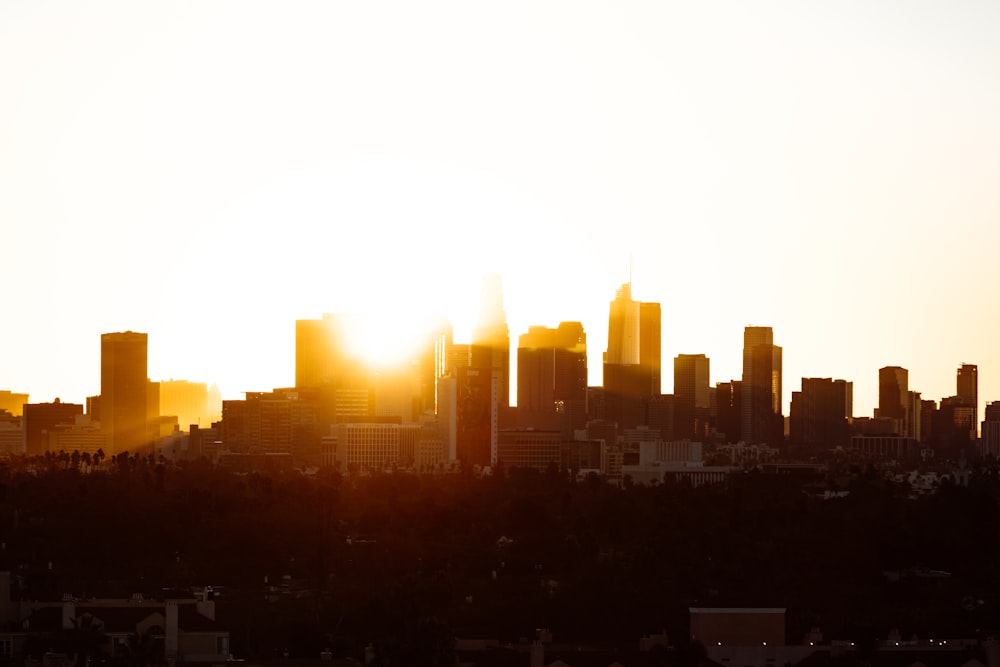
209,172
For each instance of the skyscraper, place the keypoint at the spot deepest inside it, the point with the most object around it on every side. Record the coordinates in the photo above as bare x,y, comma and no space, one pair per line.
491,337
819,413
433,362
761,416
322,355
991,430
552,375
632,360
893,387
124,386
692,396
967,389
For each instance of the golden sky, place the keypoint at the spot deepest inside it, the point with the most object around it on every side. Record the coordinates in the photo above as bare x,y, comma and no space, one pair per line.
208,172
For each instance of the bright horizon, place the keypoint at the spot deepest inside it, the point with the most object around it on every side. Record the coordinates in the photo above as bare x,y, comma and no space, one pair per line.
210,173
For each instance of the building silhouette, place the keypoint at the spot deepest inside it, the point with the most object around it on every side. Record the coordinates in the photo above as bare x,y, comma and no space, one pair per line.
991,430
729,409
491,337
821,412
40,421
432,362
476,415
893,388
124,405
282,421
632,361
761,416
954,422
322,353
552,376
900,406
967,389
692,396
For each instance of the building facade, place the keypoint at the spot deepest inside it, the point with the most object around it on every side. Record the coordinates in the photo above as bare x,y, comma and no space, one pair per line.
761,413
552,376
632,373
124,391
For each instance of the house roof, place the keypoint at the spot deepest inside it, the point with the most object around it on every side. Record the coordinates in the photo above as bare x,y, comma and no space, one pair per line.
123,619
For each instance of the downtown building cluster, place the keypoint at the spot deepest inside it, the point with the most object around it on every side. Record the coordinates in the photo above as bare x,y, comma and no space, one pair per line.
448,406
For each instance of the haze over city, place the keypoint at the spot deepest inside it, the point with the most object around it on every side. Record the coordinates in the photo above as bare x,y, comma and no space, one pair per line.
211,173
648,334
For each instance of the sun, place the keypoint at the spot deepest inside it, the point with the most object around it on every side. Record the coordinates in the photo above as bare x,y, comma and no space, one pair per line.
382,340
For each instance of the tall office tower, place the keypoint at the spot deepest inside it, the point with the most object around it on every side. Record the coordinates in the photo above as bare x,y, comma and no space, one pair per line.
41,420
991,431
324,360
692,396
433,362
491,337
729,409
124,387
928,417
458,356
649,346
322,354
967,389
477,399
820,413
913,426
632,360
623,329
761,417
953,424
893,386
552,376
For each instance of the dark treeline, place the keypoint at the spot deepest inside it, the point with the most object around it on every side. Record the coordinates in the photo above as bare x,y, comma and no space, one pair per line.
304,563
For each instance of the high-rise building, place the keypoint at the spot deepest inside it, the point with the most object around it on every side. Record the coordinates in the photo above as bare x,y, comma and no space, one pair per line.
692,396
552,376
893,388
322,354
820,413
632,374
476,406
41,420
124,391
967,389
761,414
991,430
729,409
954,423
433,362
491,337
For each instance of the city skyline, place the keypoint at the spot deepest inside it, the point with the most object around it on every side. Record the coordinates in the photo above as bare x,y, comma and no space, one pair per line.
210,175
335,346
